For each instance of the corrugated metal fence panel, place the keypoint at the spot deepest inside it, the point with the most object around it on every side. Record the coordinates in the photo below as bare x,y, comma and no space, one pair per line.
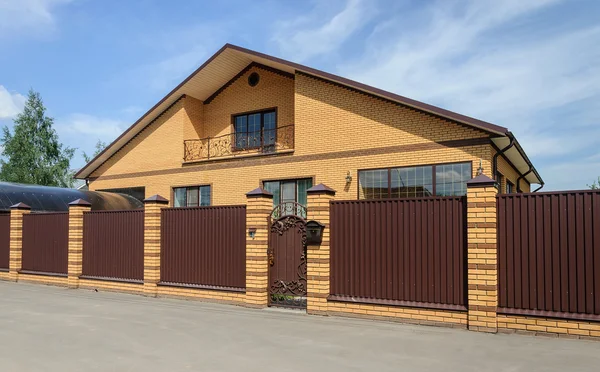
4,240
204,246
549,251
403,250
46,242
113,245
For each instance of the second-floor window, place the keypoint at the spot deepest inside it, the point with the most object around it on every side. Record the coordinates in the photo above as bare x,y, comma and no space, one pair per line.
255,130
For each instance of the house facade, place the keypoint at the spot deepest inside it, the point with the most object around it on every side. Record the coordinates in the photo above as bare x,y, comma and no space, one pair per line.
245,120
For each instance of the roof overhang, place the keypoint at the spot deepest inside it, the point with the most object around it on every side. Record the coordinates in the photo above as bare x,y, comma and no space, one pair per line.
230,60
516,155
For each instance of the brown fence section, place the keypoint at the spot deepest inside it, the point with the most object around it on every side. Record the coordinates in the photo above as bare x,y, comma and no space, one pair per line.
403,251
549,253
113,245
204,246
45,243
4,241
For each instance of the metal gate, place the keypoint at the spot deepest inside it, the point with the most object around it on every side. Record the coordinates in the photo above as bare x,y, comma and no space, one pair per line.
287,256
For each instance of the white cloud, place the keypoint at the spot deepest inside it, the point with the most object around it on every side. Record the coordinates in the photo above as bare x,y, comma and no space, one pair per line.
89,125
11,104
27,16
309,36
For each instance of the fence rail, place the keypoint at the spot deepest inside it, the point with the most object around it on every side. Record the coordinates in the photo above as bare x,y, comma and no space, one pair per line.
4,241
113,245
408,251
45,243
549,253
204,246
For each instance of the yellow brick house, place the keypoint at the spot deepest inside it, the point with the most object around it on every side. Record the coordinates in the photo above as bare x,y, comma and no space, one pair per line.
245,119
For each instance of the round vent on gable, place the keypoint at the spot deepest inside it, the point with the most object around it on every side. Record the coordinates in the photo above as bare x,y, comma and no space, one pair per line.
253,79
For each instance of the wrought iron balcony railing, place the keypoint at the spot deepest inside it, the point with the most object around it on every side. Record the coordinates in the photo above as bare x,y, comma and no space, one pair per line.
235,144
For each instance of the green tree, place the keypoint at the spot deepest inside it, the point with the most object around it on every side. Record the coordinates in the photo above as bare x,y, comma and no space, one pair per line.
32,153
98,149
595,185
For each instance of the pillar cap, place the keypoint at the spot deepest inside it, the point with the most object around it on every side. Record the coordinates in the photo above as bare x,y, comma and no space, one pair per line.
259,192
20,206
80,203
321,189
156,199
481,181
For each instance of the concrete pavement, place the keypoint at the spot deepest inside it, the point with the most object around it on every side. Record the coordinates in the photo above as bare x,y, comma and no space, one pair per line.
45,328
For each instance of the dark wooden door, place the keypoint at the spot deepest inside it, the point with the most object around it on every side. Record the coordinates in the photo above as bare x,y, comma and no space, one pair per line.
287,262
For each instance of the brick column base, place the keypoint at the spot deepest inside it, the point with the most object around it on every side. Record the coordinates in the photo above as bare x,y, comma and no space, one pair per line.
317,269
76,210
16,239
482,253
152,220
259,206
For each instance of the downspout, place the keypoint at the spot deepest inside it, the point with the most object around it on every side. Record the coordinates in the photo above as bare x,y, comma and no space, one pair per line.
495,160
539,188
521,177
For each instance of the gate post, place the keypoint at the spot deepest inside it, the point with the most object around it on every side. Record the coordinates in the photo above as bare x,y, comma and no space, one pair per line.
152,230
317,262
482,254
16,239
75,253
259,206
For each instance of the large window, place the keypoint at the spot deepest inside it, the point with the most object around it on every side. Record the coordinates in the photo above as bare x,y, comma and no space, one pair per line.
411,182
192,196
255,130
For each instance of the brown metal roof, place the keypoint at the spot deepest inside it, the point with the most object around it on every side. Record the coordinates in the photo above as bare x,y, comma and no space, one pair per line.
231,59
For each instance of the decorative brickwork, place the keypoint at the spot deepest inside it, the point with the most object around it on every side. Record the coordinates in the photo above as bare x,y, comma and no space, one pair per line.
16,239
111,286
482,252
44,279
76,210
152,219
552,327
317,269
259,206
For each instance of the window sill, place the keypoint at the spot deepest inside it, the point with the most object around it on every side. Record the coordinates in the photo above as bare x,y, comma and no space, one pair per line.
241,156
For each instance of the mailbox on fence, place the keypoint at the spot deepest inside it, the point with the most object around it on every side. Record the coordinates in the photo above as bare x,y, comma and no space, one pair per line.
314,232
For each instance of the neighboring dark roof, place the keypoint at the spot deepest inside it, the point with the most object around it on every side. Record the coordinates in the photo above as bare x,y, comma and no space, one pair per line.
479,124
56,199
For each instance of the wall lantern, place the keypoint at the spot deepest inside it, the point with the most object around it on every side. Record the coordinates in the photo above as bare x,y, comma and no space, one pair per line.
314,232
348,177
252,232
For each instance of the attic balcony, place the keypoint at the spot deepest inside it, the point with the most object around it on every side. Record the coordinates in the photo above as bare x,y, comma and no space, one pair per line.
279,140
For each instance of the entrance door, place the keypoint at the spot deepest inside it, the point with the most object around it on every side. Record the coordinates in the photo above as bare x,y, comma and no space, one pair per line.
287,261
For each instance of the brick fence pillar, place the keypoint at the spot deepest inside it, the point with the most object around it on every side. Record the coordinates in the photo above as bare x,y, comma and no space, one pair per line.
75,253
482,254
152,220
259,206
16,239
317,267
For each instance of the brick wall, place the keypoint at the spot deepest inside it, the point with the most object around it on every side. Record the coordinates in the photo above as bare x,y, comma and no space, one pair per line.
337,130
549,327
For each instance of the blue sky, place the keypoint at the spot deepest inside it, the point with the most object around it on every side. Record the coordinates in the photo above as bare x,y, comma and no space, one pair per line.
532,66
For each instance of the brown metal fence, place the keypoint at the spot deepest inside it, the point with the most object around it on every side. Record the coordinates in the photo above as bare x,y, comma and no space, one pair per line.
402,251
4,241
549,253
204,246
113,245
45,243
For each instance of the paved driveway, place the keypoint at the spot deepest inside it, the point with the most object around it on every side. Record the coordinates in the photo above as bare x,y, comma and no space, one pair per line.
53,329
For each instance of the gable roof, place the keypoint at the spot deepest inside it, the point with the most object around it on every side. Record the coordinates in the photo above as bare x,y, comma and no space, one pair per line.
230,60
